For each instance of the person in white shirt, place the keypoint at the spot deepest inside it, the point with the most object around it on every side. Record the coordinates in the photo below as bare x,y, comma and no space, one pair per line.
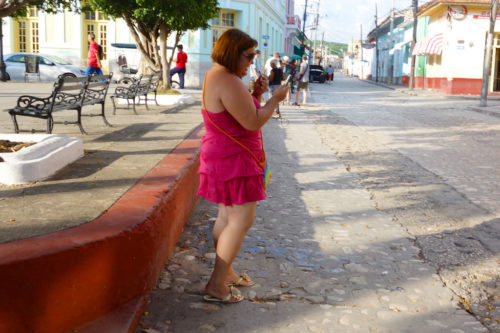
254,70
303,78
267,67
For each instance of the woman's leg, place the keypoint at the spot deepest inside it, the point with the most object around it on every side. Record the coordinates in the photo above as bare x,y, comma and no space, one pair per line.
229,239
219,225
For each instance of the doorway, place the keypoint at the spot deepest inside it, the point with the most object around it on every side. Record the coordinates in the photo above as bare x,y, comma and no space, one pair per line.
495,64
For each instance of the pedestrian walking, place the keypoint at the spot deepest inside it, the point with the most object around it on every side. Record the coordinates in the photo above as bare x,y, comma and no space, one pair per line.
267,66
180,65
254,70
303,79
294,71
275,79
330,73
93,56
288,71
232,155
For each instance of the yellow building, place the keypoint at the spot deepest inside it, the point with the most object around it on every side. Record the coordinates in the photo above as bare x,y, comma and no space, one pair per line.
454,63
63,34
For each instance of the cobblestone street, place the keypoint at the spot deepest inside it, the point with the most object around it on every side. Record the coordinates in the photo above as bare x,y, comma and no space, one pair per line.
380,217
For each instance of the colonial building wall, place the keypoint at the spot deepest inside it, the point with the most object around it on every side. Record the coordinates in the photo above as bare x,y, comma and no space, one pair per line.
459,69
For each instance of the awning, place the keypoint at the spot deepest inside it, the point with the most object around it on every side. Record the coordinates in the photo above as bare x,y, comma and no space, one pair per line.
429,45
398,46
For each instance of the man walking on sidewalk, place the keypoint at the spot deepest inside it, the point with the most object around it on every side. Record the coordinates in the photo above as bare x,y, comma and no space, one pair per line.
93,57
180,65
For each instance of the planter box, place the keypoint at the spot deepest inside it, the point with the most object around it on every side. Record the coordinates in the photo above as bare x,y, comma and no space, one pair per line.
39,161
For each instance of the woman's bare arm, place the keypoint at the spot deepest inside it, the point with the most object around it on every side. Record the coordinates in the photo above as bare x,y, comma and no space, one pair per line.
238,102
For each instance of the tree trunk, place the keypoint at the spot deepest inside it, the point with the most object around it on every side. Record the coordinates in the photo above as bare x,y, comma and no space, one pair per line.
142,44
165,75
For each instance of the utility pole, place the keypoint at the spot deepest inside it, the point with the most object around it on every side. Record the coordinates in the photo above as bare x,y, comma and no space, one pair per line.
3,73
321,56
316,20
391,69
302,46
361,39
487,56
376,42
411,84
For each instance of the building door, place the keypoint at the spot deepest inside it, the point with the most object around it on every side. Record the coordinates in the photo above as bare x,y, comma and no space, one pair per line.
494,83
26,32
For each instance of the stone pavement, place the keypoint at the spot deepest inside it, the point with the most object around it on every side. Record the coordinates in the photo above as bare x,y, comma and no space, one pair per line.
324,257
115,158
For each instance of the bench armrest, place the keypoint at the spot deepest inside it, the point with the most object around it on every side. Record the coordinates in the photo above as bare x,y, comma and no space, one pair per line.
33,102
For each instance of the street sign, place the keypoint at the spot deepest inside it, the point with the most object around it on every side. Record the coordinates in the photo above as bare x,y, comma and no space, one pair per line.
265,45
265,36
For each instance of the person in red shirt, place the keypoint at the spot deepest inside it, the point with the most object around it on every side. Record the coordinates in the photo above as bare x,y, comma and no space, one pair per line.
180,66
93,61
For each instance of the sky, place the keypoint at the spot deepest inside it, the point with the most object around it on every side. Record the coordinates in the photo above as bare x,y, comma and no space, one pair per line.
341,20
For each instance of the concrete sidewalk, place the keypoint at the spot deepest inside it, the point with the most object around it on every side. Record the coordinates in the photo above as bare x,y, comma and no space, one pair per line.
89,242
115,158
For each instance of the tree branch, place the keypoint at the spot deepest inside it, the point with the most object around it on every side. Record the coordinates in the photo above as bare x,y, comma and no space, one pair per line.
12,7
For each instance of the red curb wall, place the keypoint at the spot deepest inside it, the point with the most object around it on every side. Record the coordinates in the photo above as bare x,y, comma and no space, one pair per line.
60,281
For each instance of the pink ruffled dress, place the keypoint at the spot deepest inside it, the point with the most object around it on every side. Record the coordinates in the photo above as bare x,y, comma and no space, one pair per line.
228,173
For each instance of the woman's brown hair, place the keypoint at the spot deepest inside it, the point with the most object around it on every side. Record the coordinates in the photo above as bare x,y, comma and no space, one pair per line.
229,47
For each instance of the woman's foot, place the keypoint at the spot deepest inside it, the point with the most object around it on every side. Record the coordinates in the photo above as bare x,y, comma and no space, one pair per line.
226,294
233,296
276,115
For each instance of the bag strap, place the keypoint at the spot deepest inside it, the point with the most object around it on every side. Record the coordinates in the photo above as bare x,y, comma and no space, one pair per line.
262,162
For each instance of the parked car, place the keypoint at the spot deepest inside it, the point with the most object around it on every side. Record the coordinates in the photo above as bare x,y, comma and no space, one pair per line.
316,73
50,66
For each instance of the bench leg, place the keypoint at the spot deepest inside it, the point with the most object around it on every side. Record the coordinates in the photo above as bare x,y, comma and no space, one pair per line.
114,106
50,124
156,101
104,116
14,120
145,101
133,101
79,121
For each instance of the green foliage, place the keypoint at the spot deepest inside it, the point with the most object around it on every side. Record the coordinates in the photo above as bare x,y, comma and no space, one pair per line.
334,47
18,8
149,19
179,15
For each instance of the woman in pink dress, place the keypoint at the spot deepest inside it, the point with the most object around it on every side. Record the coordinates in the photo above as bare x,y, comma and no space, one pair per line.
230,174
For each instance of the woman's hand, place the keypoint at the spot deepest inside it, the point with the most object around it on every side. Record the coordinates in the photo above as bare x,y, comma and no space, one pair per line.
280,92
260,86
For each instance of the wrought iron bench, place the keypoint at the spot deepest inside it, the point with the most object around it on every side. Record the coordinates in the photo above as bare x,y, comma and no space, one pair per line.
136,88
69,93
154,82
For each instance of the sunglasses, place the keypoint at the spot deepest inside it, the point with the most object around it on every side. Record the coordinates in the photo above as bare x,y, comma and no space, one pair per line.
249,56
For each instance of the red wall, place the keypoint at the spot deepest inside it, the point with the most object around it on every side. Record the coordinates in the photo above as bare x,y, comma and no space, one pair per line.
457,86
60,281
